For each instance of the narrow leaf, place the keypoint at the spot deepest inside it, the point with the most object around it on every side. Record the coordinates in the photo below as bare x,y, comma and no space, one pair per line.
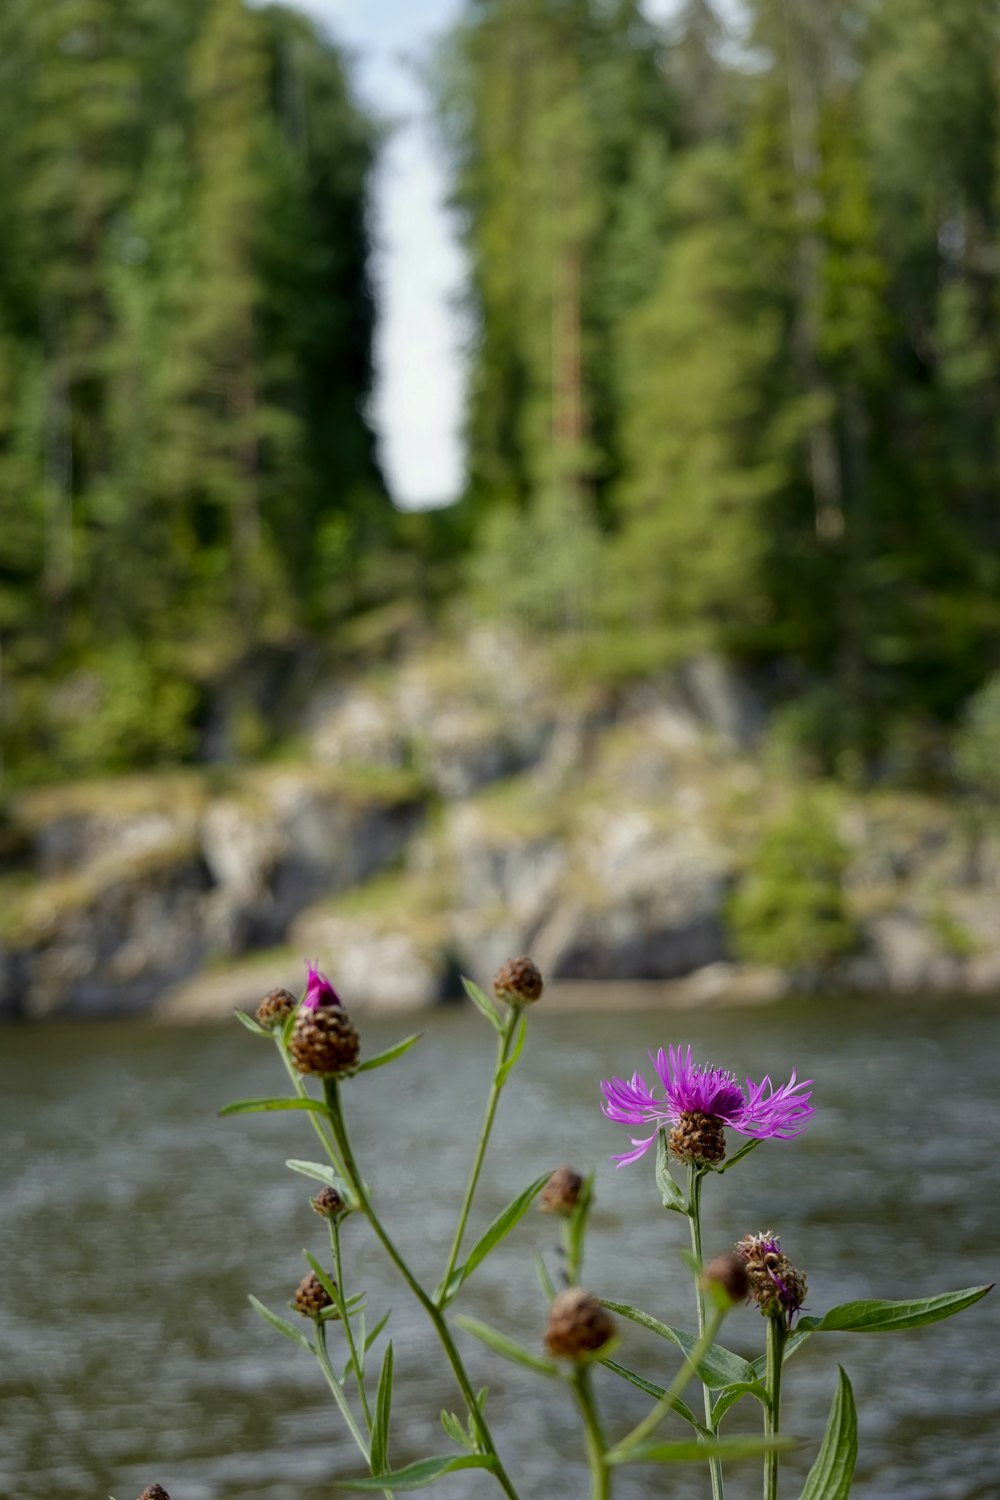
671,1194
377,1330
321,1173
383,1406
245,1019
328,1284
830,1476
882,1317
730,1161
483,1002
390,1054
416,1476
718,1366
656,1391
733,1393
508,1067
544,1279
503,1224
455,1430
282,1325
691,1450
255,1106
501,1344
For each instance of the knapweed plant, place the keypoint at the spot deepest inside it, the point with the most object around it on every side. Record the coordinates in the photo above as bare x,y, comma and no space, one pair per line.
686,1115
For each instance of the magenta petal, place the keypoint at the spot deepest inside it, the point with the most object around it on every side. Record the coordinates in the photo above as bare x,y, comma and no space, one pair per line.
641,1147
319,990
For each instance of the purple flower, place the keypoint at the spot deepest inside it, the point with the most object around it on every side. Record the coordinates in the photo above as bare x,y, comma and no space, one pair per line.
758,1109
777,1287
319,990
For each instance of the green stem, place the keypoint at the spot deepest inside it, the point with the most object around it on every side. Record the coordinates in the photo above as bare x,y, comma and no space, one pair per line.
600,1471
503,1049
431,1308
338,1394
348,1330
695,1176
776,1334
298,1084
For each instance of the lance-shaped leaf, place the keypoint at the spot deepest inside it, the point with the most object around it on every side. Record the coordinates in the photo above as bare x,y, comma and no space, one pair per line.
282,1325
390,1054
717,1366
730,1161
483,1002
251,1025
498,1230
501,1344
693,1450
383,1406
887,1317
730,1394
257,1106
672,1196
831,1474
319,1172
456,1431
656,1391
417,1475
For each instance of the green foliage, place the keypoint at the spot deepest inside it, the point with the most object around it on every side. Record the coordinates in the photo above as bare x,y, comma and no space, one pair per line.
789,908
977,741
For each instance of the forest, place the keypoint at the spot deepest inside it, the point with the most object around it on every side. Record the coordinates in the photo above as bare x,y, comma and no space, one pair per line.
734,364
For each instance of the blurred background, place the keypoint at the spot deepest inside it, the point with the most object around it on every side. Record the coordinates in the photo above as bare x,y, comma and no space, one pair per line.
477,477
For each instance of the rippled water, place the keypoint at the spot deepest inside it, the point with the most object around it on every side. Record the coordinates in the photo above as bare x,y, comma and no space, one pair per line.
133,1222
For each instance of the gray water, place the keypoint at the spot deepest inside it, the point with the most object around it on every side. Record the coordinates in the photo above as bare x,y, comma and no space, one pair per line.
134,1221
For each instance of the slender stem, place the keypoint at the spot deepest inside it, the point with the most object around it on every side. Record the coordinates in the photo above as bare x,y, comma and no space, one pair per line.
776,1334
503,1049
431,1308
695,1175
348,1330
600,1472
298,1084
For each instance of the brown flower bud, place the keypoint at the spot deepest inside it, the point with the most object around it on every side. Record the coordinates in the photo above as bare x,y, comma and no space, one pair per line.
729,1272
324,1041
275,1007
519,982
329,1203
156,1491
777,1287
311,1296
578,1325
561,1193
698,1138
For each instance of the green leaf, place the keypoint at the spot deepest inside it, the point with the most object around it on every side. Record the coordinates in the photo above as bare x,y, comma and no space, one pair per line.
885,1317
501,1227
455,1430
501,1344
718,1367
376,1330
733,1393
544,1279
483,1002
250,1024
672,1196
416,1476
730,1161
656,1391
390,1054
319,1172
383,1406
504,1072
691,1450
830,1476
255,1106
329,1285
282,1325
576,1226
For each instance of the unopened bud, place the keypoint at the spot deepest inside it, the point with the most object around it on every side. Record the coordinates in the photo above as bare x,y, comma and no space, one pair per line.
329,1203
324,1041
728,1272
519,982
561,1193
275,1007
578,1325
777,1287
311,1296
156,1491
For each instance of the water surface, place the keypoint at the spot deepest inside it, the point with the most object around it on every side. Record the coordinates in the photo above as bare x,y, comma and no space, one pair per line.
133,1222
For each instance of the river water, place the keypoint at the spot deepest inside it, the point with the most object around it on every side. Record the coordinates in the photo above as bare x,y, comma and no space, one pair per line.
134,1221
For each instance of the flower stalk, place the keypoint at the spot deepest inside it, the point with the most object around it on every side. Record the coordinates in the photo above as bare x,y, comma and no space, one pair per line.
600,1469
776,1334
696,1175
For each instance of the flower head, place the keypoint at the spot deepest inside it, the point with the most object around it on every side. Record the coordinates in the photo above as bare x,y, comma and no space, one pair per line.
699,1100
319,990
777,1287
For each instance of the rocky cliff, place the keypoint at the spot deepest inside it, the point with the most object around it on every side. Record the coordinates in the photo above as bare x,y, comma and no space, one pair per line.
480,801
